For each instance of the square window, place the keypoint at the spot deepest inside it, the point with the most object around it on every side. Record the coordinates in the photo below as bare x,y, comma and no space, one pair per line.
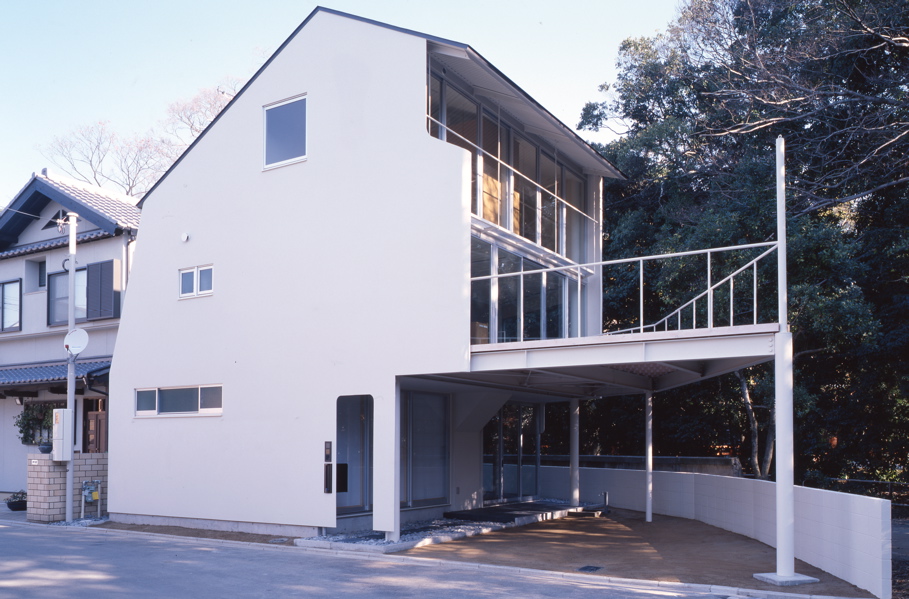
209,398
285,132
147,401
196,281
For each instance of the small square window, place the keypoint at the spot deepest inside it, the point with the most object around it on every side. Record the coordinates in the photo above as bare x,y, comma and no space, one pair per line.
147,401
285,132
209,398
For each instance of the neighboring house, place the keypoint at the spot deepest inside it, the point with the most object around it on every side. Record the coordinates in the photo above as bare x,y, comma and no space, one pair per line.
34,308
304,348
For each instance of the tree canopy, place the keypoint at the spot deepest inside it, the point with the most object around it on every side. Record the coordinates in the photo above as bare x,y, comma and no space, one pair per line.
698,109
132,164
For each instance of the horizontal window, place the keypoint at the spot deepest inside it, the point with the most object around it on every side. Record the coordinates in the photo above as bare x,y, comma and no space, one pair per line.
178,400
196,281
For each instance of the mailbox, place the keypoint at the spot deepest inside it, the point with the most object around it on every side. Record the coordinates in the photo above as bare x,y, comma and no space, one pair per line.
63,435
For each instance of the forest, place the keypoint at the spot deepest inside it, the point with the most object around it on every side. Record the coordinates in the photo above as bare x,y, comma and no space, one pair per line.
696,110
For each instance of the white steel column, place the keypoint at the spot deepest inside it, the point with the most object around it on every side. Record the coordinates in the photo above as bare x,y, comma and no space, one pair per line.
574,449
785,493
648,453
386,480
785,488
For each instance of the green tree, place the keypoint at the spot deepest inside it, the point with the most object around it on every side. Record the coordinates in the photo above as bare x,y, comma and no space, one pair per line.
699,109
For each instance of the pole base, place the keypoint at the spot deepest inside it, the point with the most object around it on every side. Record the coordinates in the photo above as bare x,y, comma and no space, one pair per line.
785,581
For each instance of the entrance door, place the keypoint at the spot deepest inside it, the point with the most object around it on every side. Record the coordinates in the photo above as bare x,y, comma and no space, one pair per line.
353,481
95,427
511,453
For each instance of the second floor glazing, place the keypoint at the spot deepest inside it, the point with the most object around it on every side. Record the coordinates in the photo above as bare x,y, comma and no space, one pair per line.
519,183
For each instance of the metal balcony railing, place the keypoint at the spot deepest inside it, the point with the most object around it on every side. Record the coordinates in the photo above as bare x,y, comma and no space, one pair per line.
571,300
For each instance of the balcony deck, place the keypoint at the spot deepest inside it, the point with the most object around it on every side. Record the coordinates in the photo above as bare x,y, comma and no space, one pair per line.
609,365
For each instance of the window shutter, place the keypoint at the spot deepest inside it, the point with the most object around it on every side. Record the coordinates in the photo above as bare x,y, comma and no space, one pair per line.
103,290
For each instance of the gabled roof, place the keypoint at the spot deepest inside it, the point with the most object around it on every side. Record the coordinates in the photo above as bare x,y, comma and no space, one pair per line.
474,69
110,211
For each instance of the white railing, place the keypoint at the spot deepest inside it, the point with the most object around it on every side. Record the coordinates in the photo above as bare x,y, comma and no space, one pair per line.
563,203
707,295
574,308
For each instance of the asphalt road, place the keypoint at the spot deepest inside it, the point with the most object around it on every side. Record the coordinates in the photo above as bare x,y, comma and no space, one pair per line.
50,562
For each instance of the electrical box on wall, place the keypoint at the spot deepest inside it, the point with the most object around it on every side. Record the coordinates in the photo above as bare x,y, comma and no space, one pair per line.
63,435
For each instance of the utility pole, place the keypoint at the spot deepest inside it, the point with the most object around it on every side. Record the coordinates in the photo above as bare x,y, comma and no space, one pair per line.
71,358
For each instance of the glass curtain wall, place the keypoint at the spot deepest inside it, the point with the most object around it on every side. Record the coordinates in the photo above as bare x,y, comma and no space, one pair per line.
495,141
514,184
528,304
524,202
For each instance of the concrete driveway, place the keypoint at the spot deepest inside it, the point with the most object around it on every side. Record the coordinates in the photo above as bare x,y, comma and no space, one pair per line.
50,562
623,545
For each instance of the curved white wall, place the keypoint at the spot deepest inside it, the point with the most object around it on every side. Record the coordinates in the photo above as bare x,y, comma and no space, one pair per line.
845,535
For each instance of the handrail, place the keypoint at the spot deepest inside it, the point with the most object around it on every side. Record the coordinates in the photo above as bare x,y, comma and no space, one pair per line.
707,293
590,265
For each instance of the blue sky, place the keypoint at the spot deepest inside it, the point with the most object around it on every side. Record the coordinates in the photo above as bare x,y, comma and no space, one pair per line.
67,63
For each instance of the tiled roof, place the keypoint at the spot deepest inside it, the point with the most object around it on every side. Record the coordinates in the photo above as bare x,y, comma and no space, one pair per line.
47,373
50,244
118,207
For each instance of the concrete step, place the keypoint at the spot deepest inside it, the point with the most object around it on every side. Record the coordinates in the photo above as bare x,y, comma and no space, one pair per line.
589,513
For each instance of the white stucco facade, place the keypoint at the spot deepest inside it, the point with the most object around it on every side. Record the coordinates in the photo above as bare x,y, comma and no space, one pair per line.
332,277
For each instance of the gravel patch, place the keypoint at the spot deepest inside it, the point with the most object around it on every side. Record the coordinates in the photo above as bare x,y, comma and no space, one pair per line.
80,522
413,531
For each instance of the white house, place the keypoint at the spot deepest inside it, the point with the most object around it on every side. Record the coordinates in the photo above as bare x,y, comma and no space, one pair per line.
35,295
378,244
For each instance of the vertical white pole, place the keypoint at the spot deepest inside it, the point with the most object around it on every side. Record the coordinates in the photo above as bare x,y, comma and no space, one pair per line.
71,359
641,298
785,491
709,292
392,525
648,453
574,449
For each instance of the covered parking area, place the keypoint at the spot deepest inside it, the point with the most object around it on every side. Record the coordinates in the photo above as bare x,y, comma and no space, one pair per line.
533,373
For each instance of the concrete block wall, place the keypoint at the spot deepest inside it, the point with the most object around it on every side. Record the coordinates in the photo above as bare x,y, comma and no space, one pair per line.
846,535
47,486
